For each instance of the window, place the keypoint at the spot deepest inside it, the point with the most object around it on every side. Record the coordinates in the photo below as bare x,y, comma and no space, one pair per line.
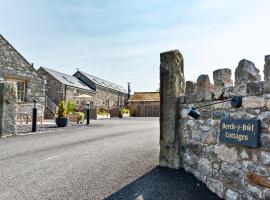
108,103
21,89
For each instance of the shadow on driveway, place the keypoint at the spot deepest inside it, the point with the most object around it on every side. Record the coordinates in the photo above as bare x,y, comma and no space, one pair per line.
164,183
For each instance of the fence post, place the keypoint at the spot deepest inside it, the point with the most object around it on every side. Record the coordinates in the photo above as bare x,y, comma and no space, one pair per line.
172,85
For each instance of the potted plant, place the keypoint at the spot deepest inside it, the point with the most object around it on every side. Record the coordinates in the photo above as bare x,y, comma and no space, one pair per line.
80,117
62,119
124,112
102,113
71,115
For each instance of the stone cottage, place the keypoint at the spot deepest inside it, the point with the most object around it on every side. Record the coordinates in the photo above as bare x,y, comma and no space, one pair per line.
144,104
14,67
108,95
61,86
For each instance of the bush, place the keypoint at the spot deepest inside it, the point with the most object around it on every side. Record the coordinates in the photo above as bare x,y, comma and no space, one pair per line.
71,106
80,115
62,110
102,111
124,111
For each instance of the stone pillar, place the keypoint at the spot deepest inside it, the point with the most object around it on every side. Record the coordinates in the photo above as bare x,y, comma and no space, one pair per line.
244,73
266,72
172,84
204,88
191,88
7,108
222,80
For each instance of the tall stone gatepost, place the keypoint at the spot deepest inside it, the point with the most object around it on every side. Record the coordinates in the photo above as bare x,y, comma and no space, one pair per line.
8,97
172,86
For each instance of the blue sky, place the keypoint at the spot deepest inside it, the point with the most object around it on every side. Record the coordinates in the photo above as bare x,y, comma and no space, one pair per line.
121,40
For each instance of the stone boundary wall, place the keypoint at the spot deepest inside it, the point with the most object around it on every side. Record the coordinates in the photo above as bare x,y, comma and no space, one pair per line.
231,171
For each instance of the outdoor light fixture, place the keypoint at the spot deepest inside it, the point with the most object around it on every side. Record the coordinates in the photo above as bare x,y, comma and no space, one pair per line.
34,116
88,113
236,102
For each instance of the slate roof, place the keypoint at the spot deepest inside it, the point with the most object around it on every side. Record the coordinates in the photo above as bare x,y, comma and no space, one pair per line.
67,79
144,96
103,83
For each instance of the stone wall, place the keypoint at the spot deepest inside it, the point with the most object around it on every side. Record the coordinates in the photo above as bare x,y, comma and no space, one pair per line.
7,108
72,92
54,89
14,66
116,99
231,171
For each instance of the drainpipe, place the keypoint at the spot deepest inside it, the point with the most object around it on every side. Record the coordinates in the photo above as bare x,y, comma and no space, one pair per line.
65,93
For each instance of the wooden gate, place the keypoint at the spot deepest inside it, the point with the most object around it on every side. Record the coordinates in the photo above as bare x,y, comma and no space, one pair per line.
147,111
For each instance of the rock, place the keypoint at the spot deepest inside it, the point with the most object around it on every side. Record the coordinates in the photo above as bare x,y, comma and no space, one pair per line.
188,159
245,72
215,186
266,72
196,135
255,88
254,191
190,88
204,88
266,194
264,157
253,102
182,99
195,147
208,138
172,84
259,180
192,98
208,96
232,176
228,92
265,119
231,195
189,124
8,97
244,155
200,176
241,114
265,141
222,79
220,114
205,167
227,154
268,104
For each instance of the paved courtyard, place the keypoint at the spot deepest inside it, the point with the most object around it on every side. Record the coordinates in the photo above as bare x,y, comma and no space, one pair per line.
113,159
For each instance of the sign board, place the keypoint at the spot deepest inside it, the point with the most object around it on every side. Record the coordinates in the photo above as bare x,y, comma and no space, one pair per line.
245,132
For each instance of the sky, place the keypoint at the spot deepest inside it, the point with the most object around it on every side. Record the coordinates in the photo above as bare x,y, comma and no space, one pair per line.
121,40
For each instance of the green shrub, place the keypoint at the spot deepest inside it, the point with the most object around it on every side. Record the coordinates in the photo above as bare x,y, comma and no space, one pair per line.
62,109
124,111
80,115
102,111
71,106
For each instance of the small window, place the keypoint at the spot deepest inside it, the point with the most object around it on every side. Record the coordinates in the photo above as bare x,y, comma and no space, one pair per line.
108,103
141,102
21,89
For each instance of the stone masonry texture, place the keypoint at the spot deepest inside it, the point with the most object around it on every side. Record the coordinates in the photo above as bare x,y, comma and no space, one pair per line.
7,108
233,172
245,72
14,66
172,83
